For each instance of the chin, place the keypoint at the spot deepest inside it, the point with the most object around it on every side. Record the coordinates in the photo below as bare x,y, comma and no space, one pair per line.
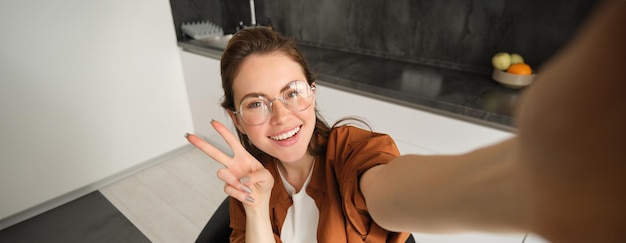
294,153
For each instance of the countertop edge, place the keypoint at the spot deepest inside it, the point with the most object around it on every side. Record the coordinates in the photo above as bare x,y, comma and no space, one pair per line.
203,51
411,105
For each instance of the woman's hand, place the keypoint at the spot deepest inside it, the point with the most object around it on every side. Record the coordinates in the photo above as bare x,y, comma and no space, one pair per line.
245,177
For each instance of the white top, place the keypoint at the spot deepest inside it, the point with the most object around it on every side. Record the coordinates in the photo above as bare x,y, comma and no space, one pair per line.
302,217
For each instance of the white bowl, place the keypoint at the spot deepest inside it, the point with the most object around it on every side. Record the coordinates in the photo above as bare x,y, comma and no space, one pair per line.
512,80
216,41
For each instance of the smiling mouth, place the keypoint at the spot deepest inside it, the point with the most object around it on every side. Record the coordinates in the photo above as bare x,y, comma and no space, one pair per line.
286,135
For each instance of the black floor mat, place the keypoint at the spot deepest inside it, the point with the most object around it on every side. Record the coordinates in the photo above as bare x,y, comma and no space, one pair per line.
91,218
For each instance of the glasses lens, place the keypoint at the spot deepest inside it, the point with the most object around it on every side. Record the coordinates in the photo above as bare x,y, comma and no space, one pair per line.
298,96
255,110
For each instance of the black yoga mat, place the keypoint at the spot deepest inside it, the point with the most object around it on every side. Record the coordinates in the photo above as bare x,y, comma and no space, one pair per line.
91,218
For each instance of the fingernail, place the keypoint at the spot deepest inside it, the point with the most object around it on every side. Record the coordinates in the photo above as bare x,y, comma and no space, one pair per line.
244,179
186,135
246,189
249,199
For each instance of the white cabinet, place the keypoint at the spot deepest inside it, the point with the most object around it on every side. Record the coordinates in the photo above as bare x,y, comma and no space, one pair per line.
204,88
533,238
414,131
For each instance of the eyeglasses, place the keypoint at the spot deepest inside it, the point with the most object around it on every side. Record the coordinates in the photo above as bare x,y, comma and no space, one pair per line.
255,109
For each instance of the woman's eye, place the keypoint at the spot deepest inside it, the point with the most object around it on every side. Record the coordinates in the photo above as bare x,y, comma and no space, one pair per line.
254,105
292,94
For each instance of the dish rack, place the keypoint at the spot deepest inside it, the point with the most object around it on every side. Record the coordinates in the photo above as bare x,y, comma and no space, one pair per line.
201,29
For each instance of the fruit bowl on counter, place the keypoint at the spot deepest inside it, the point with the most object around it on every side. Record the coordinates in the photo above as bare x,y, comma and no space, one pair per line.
511,71
512,80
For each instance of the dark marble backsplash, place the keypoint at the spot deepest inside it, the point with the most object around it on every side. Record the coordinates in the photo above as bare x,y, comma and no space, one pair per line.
456,34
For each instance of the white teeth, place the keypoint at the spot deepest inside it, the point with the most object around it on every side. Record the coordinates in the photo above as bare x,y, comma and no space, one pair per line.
286,135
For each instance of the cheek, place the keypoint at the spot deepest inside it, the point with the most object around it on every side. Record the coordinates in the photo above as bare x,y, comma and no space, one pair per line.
311,110
254,132
312,116
309,117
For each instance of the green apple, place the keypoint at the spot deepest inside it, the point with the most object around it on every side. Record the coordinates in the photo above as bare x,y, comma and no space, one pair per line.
501,61
516,58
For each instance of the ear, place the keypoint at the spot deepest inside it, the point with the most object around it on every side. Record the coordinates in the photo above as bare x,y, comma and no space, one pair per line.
236,121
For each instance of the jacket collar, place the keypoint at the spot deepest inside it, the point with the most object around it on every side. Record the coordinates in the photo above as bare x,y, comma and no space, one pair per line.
314,189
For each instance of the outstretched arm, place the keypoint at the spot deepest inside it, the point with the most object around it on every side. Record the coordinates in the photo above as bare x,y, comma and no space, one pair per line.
475,191
562,176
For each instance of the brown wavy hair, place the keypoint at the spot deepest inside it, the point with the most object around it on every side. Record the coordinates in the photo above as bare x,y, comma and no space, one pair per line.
262,40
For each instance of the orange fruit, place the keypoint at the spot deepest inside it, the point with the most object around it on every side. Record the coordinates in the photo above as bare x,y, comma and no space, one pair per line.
520,69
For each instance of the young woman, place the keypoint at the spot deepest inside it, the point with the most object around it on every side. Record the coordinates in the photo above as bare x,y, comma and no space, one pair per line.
292,177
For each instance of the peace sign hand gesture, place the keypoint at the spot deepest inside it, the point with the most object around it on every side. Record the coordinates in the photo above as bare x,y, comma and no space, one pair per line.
245,177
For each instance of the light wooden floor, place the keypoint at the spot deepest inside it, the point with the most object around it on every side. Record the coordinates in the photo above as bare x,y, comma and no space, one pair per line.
173,200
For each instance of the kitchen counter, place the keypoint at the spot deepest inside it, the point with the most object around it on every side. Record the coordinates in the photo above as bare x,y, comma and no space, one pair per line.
462,95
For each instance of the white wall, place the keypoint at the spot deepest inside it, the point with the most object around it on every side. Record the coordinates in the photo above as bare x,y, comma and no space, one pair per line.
88,89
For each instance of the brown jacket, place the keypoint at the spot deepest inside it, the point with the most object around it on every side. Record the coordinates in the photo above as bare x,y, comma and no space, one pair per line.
334,185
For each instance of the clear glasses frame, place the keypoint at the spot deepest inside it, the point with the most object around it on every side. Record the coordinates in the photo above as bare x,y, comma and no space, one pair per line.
255,109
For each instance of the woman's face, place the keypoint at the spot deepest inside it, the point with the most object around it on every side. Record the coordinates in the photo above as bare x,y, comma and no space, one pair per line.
286,134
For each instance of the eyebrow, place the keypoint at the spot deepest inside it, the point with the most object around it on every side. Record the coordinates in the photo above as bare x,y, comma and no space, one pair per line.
288,86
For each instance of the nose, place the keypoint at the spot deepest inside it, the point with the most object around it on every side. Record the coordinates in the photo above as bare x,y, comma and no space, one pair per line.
279,112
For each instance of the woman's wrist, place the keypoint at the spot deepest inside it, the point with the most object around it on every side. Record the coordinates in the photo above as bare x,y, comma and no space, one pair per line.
258,224
257,209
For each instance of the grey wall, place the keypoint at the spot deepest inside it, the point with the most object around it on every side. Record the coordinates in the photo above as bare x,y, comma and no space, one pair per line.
458,34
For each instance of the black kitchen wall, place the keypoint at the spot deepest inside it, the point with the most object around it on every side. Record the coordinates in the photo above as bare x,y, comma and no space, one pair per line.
458,34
